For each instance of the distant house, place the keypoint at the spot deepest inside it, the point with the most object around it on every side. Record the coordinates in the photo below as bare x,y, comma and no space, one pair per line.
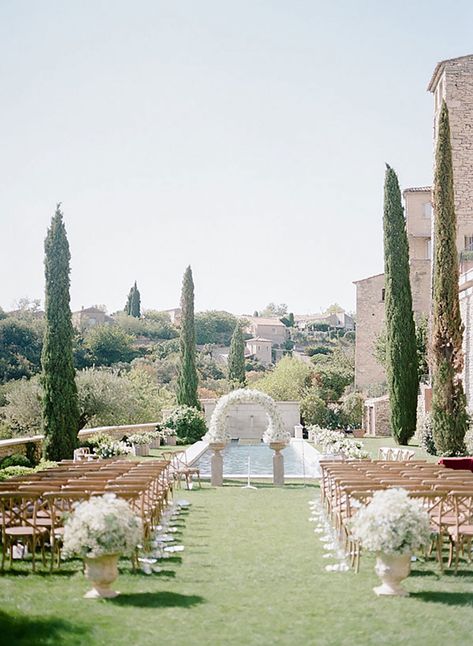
270,329
88,317
260,349
174,314
337,320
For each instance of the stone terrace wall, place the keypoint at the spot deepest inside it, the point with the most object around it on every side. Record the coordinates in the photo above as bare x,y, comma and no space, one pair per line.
24,445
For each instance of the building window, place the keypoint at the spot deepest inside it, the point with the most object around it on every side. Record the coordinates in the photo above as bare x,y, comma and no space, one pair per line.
383,294
468,243
428,250
427,210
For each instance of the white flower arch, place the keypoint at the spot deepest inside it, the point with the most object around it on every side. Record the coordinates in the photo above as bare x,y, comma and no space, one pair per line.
218,423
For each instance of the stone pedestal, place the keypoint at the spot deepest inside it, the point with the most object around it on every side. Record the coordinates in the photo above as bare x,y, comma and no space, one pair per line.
278,463
216,464
298,428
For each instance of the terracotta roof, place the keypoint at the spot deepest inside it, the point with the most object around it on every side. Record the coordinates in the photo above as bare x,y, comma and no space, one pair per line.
90,310
417,189
439,68
261,320
362,280
259,339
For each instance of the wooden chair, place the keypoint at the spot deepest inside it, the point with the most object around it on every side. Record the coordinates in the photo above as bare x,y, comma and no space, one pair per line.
18,512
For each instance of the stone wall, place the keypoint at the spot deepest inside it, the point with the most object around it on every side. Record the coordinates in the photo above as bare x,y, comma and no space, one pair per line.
25,444
376,417
453,81
466,309
369,325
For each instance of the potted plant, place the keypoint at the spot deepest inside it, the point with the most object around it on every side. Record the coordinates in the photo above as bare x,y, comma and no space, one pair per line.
155,439
140,443
169,436
100,530
110,448
392,525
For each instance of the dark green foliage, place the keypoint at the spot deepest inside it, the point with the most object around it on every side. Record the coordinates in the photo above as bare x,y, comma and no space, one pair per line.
449,418
108,345
288,320
187,379
189,424
214,327
15,460
20,348
133,303
236,359
401,351
60,412
318,349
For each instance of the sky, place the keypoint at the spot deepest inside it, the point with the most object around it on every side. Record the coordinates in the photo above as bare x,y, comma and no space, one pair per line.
247,138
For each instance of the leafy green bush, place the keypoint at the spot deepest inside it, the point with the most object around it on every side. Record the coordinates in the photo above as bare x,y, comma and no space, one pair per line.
352,409
189,424
424,433
11,472
15,460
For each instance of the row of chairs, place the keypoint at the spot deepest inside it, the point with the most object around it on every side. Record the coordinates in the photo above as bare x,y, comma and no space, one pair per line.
32,508
447,496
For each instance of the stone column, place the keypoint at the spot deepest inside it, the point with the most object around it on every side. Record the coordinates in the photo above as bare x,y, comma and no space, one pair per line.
278,463
216,464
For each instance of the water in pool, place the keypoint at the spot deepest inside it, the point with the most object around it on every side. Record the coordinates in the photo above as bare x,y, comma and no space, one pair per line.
235,461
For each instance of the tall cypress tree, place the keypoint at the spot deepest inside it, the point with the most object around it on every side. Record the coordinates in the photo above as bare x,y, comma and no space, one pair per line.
60,411
236,359
449,418
187,379
401,349
133,302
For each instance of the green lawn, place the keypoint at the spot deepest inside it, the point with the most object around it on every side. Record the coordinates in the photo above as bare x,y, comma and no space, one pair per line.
372,444
252,573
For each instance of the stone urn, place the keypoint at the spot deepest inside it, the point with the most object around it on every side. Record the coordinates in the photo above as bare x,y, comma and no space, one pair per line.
216,464
101,571
278,462
155,442
170,440
392,569
141,450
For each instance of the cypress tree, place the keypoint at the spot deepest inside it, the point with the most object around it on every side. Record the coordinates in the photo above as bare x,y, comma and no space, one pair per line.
133,302
449,418
60,411
401,349
236,359
187,378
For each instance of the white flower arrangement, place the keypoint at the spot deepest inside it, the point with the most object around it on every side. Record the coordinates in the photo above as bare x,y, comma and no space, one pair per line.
336,443
392,523
102,525
140,439
218,432
112,449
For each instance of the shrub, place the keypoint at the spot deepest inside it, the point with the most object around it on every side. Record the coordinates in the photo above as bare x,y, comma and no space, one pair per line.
15,460
189,424
352,409
313,409
424,433
11,472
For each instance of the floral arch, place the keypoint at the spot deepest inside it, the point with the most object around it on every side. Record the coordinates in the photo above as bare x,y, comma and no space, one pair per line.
218,433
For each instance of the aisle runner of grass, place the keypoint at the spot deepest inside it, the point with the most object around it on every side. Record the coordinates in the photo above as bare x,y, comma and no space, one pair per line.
252,573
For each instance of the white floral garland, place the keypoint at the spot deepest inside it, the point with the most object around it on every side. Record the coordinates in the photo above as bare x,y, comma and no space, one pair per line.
218,423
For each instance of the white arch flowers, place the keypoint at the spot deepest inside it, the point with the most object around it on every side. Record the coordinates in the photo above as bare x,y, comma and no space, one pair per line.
218,433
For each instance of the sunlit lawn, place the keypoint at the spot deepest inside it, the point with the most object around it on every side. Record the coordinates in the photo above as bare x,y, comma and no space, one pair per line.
252,573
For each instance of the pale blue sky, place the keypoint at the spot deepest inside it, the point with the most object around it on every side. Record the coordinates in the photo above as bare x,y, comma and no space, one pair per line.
245,137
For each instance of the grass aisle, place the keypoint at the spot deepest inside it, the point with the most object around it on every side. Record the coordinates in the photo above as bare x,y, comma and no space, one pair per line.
252,573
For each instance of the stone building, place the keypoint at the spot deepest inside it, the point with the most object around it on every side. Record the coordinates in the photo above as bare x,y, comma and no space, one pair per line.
452,80
89,317
268,328
370,311
260,349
